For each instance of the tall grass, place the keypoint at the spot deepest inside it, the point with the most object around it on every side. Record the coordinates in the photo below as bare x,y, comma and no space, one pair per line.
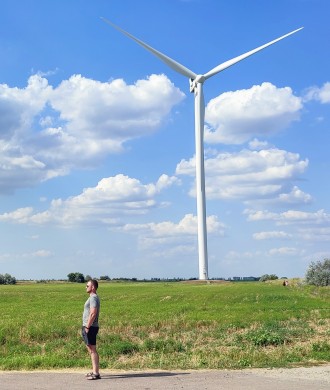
166,325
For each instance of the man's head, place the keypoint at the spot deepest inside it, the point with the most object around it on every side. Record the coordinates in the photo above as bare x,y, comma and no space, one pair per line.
92,285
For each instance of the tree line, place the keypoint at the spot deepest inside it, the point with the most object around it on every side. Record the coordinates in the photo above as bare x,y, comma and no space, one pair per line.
317,274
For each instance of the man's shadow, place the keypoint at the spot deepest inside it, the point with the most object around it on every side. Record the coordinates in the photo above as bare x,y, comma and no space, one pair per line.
143,375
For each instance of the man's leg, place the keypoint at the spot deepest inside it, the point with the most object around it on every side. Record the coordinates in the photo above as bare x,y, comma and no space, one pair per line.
94,358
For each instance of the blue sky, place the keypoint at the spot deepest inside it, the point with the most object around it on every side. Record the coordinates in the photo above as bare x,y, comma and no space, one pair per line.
97,138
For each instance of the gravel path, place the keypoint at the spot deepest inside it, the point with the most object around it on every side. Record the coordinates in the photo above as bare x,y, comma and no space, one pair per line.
304,378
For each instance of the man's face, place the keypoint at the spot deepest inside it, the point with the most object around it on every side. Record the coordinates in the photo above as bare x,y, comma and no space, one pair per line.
89,287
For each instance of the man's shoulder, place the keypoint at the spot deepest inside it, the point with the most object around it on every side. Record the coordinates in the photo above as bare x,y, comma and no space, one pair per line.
94,297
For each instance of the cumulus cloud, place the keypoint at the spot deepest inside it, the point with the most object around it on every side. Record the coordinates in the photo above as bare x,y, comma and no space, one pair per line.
18,107
256,144
271,235
21,215
315,234
321,95
251,174
95,109
296,196
47,131
112,199
285,251
38,253
187,226
19,170
263,110
289,216
234,255
165,233
41,253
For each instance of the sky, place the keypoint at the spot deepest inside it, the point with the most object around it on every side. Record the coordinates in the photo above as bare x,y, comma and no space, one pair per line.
97,145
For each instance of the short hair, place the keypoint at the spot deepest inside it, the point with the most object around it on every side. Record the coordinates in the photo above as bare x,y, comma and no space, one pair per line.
94,283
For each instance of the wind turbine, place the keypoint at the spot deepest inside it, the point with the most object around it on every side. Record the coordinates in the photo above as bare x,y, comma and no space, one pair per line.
196,86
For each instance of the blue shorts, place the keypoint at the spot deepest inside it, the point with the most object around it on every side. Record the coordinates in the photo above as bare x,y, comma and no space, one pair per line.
90,337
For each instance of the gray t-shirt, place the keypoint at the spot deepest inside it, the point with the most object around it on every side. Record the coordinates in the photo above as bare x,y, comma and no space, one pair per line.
92,301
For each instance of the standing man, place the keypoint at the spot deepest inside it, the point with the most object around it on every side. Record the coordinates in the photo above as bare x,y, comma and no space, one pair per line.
90,326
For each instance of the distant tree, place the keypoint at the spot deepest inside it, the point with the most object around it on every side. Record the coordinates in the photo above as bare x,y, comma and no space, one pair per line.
104,277
263,278
318,274
7,279
266,277
72,277
76,277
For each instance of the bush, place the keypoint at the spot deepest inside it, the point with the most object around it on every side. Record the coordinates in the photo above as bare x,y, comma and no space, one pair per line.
265,337
266,277
318,274
7,279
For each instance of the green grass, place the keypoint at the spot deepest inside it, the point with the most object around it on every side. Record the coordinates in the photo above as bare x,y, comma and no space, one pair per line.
166,325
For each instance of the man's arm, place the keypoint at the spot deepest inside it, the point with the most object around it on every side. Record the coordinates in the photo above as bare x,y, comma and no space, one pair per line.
91,318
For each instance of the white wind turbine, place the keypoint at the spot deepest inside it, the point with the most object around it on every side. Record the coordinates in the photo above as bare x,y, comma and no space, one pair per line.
196,86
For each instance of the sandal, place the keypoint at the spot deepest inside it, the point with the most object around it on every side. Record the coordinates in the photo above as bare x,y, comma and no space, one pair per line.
91,376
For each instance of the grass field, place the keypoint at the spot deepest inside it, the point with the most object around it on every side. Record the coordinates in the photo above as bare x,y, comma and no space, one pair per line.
167,325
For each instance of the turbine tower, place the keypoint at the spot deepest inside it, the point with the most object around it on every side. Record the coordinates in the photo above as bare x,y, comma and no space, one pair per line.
196,86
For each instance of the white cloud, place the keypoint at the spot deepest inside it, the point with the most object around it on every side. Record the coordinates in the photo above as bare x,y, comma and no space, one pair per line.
41,253
256,144
285,251
315,234
18,107
271,235
263,110
288,217
234,255
114,110
38,253
19,170
187,226
251,175
21,215
178,234
108,202
46,132
319,94
296,196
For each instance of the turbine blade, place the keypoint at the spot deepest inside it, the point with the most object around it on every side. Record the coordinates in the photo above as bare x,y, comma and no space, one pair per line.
168,61
233,61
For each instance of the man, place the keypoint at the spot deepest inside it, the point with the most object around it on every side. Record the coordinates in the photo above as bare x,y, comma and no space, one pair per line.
90,326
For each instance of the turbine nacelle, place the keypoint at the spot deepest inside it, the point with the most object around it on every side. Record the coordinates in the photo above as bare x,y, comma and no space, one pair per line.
193,82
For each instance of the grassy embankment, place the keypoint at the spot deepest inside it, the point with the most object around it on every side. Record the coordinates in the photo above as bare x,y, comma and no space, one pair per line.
167,325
